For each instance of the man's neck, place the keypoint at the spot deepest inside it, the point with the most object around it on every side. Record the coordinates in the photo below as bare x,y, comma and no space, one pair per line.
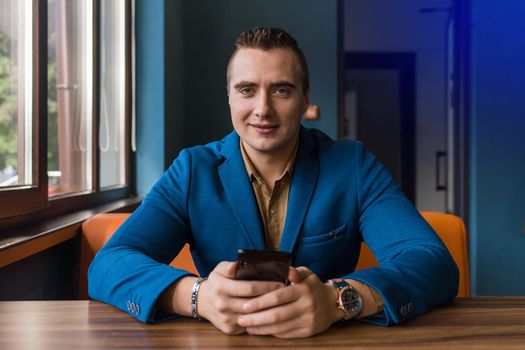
270,166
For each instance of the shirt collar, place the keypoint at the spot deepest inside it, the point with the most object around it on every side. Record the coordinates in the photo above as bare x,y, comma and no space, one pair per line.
254,174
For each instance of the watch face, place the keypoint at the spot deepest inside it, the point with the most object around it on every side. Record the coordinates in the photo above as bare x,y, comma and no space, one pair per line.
351,301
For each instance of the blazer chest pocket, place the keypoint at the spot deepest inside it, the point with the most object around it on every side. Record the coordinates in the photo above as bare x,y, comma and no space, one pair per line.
331,236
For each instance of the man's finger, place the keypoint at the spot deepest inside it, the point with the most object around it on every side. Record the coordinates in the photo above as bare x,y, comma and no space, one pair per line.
249,289
269,300
226,268
275,316
298,274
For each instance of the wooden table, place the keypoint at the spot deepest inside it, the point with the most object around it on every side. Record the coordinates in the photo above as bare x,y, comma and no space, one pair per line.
470,323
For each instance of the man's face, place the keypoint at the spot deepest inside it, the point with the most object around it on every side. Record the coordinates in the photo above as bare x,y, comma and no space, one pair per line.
266,99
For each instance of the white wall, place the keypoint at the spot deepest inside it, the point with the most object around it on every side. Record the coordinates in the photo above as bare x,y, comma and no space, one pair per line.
398,26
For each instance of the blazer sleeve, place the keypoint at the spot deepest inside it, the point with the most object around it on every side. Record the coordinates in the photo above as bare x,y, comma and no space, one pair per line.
131,270
416,272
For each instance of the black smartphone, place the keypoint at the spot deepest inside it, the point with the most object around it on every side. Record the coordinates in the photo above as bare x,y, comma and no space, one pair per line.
263,265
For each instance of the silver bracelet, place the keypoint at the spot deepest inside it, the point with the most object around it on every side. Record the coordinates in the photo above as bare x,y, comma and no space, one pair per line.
194,296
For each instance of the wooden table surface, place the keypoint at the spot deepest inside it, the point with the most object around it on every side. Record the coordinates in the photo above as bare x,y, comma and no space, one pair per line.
469,323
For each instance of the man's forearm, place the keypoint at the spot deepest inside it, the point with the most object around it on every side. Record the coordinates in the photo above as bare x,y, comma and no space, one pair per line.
176,299
372,301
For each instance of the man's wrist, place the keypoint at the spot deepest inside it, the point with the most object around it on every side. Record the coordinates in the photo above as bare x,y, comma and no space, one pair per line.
336,313
372,302
378,300
165,301
174,300
349,299
195,297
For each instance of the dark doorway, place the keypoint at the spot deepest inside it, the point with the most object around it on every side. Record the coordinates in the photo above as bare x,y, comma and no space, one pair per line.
380,110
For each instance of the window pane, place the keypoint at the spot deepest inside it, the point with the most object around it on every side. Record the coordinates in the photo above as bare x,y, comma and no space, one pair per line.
16,60
112,93
70,82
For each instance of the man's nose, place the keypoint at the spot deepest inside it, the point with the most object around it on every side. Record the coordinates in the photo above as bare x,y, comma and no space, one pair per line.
263,106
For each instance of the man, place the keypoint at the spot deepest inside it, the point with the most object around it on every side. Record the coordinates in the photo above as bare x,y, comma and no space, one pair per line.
276,185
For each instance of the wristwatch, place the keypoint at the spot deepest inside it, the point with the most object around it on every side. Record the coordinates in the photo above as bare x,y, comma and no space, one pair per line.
348,299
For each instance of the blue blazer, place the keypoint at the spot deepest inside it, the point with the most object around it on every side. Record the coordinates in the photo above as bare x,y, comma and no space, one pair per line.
340,195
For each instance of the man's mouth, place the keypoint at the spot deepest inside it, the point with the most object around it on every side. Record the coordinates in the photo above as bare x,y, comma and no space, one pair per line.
264,129
264,126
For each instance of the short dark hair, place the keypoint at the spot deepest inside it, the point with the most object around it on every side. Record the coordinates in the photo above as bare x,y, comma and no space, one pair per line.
270,38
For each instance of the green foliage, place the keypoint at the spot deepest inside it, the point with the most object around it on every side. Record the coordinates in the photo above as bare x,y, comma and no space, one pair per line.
8,108
52,122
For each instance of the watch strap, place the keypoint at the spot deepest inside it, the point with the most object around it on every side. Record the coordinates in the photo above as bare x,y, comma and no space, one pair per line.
339,283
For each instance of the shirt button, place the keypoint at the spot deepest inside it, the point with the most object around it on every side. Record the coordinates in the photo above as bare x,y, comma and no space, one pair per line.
273,212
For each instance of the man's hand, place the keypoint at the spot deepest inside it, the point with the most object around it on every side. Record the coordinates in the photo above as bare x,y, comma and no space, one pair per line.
221,298
305,308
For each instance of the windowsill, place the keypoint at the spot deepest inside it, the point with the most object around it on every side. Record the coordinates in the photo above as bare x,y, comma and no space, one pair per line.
21,242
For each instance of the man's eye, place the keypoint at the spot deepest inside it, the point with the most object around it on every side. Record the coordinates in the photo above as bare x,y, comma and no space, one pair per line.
282,92
247,91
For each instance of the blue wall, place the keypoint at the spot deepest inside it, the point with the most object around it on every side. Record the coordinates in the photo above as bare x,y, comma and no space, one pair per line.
182,51
149,92
497,237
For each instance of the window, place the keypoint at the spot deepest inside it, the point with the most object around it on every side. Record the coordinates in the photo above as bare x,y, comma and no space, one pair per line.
64,103
70,91
112,95
15,94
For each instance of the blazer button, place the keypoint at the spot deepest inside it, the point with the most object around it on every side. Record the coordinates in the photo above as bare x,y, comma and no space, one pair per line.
403,311
137,309
129,305
410,307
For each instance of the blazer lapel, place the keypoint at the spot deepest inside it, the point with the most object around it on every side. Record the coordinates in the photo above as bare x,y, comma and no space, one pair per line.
304,179
239,192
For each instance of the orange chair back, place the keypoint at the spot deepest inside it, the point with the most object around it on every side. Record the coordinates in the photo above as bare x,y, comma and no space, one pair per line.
451,230
97,230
